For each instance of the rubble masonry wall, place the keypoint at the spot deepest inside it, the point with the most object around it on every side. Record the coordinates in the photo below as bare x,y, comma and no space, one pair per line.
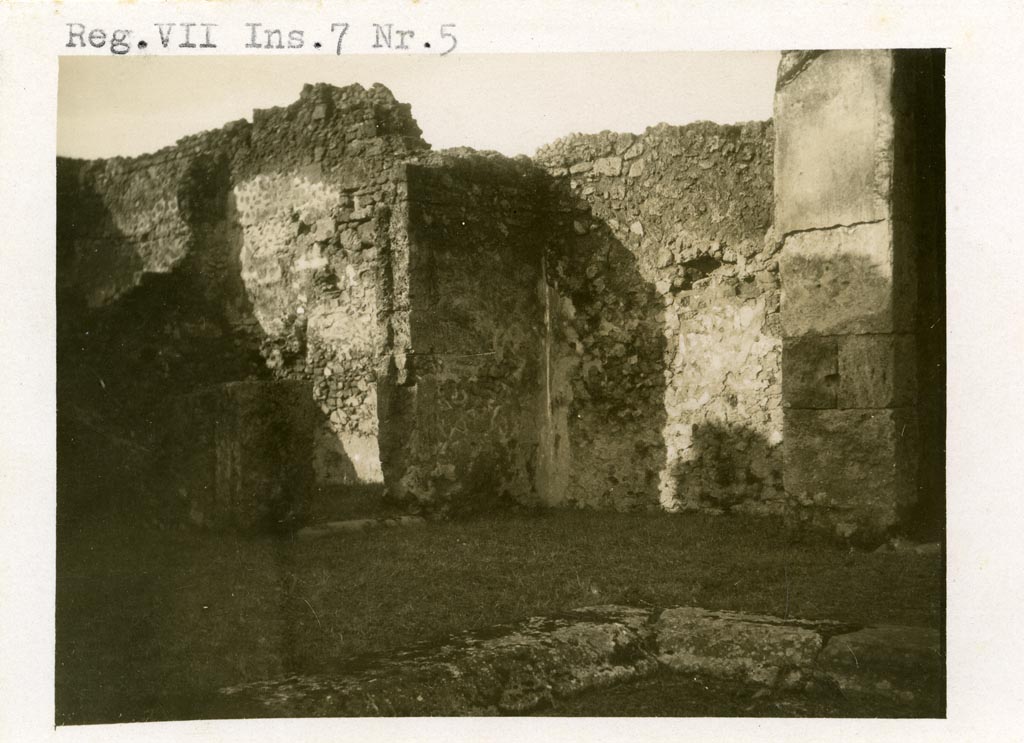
668,336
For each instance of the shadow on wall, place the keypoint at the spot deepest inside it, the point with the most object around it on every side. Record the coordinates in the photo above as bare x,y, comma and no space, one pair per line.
121,367
922,77
148,399
856,382
865,416
608,384
723,465
637,442
130,437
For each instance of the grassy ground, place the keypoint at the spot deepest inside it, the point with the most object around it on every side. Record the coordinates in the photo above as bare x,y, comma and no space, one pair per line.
150,623
667,694
341,502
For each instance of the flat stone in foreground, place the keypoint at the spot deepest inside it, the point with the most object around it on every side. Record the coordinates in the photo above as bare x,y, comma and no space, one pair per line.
900,661
514,669
471,675
731,645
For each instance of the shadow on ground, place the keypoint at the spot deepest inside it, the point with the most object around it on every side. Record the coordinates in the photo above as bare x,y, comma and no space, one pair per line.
153,637
667,694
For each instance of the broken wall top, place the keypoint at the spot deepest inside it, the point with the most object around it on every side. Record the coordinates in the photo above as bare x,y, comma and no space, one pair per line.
120,218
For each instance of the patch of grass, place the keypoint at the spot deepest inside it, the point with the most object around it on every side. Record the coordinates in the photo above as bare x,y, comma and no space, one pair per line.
150,623
667,694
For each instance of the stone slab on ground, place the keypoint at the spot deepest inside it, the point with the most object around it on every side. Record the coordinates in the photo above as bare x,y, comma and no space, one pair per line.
899,661
738,646
514,669
507,670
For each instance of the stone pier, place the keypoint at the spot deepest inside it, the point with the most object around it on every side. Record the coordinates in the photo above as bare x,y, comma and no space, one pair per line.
849,205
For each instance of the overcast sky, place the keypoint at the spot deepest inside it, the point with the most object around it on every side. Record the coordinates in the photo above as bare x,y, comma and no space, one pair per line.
510,103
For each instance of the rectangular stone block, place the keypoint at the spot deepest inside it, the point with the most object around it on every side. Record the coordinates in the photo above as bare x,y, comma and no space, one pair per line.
243,454
855,468
731,645
834,141
910,657
809,372
838,281
876,371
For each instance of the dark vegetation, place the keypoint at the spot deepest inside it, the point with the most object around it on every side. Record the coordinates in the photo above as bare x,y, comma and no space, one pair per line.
667,694
150,623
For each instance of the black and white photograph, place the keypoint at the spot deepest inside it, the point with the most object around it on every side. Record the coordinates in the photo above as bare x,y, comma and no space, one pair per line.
434,371
642,416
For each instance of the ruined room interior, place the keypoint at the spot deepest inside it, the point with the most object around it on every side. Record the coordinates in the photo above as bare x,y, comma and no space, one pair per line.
718,318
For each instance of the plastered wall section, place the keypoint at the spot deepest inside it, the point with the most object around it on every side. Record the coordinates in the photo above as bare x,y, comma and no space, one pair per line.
849,292
666,330
465,404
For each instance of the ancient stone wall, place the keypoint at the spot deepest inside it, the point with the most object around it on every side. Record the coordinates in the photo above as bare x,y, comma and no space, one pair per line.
619,295
856,199
245,252
464,398
598,327
667,368
143,281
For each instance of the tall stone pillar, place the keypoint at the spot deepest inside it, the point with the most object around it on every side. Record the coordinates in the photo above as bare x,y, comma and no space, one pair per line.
844,195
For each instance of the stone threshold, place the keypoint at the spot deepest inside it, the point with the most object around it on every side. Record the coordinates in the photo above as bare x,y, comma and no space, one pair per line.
514,669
